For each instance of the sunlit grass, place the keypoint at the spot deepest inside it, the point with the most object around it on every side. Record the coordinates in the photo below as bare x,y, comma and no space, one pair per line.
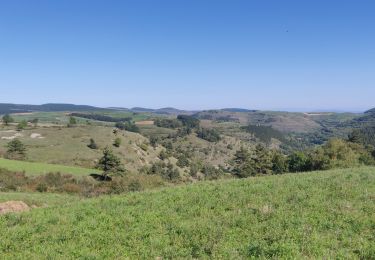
33,168
312,215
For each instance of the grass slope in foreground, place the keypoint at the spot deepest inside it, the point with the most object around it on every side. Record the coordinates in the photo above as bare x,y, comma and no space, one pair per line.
33,168
312,215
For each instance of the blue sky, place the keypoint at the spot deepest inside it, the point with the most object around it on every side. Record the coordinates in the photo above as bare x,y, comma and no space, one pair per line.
190,54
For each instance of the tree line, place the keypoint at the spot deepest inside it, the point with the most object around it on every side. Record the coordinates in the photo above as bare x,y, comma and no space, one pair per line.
99,117
336,153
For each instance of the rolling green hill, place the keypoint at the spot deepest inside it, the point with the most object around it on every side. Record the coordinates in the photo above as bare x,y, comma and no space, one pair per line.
313,215
68,146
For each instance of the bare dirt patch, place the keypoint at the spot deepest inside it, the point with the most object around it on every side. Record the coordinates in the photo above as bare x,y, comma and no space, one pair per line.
13,206
36,136
23,114
148,122
11,137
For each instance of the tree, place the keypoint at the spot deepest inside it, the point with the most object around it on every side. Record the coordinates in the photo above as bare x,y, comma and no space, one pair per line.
189,121
163,155
167,123
72,121
127,126
242,166
298,162
154,141
35,122
171,173
279,163
340,154
210,135
262,160
110,163
258,161
182,161
92,144
117,142
7,119
22,125
16,149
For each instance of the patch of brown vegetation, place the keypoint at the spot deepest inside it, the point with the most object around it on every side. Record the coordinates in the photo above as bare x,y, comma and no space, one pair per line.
13,206
148,122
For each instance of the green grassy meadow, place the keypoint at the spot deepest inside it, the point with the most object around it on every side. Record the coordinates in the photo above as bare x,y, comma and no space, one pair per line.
33,168
319,215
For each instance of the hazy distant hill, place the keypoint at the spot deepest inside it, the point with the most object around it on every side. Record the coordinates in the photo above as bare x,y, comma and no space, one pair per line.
238,110
165,110
367,119
371,111
18,108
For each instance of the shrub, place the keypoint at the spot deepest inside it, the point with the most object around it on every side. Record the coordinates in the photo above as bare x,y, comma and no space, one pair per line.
92,144
210,135
16,149
134,185
35,122
117,142
154,141
12,180
194,169
163,155
171,173
167,123
167,171
212,173
72,121
182,161
144,147
42,187
22,125
53,179
118,186
71,188
127,126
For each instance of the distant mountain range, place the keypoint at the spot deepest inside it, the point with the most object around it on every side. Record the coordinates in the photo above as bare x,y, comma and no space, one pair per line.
165,110
8,108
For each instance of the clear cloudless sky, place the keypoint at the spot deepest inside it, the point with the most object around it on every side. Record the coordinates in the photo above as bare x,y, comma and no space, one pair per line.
190,54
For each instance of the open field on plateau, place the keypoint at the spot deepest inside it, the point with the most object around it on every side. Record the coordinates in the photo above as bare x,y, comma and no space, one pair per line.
326,214
68,146
33,168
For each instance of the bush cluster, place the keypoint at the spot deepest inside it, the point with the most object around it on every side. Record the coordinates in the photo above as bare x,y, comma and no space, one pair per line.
336,153
128,126
84,186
